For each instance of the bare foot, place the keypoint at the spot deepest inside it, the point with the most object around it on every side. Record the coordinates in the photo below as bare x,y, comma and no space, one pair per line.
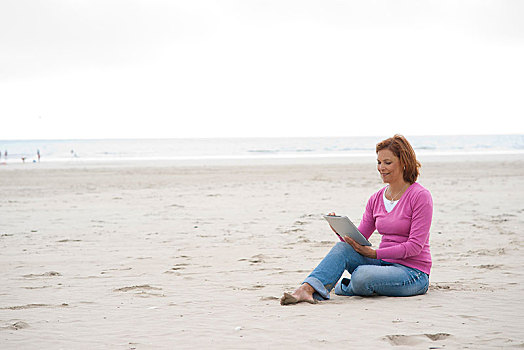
303,294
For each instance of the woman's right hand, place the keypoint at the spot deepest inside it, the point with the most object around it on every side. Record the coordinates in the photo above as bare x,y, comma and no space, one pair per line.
332,214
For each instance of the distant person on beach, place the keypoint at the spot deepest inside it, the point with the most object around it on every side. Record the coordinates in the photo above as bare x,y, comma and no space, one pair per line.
38,155
401,212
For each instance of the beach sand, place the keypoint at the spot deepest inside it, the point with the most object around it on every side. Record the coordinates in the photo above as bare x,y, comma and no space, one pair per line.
141,257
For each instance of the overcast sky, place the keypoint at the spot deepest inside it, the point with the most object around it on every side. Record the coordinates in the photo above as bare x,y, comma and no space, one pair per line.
202,68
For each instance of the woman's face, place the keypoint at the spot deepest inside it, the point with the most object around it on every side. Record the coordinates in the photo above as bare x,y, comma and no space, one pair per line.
389,167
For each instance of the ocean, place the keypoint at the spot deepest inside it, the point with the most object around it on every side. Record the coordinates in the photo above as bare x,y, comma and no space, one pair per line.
207,149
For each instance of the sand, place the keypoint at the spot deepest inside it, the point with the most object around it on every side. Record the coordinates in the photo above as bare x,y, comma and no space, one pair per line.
137,257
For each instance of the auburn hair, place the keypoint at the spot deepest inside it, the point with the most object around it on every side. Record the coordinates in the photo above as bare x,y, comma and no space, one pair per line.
402,149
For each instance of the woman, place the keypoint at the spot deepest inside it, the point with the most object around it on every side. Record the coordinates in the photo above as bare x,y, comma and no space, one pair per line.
401,212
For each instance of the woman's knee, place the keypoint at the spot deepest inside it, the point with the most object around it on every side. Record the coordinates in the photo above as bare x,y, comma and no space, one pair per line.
344,248
362,280
345,252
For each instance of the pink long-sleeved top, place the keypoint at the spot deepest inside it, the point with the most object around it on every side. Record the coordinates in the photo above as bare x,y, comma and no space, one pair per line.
404,230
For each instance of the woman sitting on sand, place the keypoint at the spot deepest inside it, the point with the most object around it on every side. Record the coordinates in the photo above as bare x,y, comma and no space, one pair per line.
401,212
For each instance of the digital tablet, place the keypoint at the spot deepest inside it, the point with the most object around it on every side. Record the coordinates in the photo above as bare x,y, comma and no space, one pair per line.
344,227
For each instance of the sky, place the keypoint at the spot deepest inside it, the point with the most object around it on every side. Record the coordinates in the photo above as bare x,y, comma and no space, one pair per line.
250,68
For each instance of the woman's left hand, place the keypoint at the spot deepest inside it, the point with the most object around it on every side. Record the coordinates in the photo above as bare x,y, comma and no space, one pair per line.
361,249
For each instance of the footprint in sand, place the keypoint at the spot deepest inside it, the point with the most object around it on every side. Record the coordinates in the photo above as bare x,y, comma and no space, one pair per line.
489,266
458,286
31,306
142,287
45,274
143,290
255,259
402,339
253,287
37,287
488,252
176,268
16,326
293,231
179,266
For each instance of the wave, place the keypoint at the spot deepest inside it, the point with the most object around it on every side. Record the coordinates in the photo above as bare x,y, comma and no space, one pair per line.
256,148
262,151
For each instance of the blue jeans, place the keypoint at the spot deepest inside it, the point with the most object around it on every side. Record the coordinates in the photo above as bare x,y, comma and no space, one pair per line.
368,276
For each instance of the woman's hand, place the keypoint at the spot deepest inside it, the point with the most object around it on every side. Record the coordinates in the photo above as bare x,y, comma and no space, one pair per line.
361,249
333,214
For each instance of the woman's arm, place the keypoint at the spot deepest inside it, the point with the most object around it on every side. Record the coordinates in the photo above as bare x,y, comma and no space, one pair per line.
367,224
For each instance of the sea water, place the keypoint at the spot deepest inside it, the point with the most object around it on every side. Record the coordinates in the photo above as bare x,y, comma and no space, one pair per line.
204,149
